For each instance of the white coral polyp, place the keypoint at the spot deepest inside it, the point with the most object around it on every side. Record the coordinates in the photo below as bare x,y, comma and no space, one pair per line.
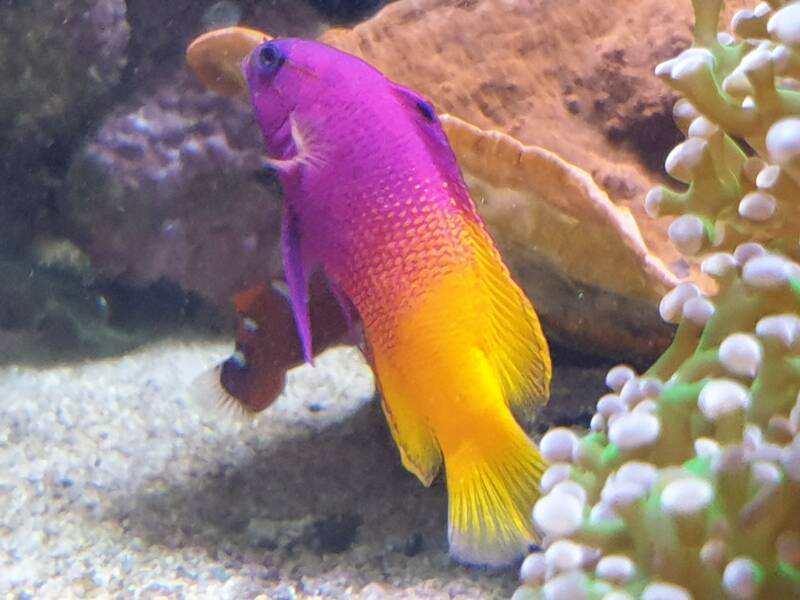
698,310
609,405
533,569
706,447
618,376
784,25
567,586
784,327
616,568
558,444
769,271
757,60
573,488
665,591
688,234
558,514
563,555
740,578
757,207
766,473
719,264
616,494
650,387
554,473
689,62
721,397
687,495
684,111
684,158
671,305
634,430
631,392
783,140
768,177
744,253
702,128
597,424
641,473
652,202
741,354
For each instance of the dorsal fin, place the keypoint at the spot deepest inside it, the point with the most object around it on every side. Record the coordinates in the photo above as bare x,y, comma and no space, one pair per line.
423,115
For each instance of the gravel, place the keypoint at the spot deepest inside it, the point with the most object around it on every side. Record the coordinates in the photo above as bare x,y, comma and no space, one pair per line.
115,483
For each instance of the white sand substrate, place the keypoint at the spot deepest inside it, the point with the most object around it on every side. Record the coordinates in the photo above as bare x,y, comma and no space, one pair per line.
116,483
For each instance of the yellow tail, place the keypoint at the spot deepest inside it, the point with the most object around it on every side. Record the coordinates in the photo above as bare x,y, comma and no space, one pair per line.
491,494
492,467
463,360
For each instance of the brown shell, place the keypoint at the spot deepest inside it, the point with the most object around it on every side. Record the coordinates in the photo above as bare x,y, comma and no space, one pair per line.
216,58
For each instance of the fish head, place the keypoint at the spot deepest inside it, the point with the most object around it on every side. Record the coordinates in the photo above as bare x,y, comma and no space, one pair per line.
283,76
290,76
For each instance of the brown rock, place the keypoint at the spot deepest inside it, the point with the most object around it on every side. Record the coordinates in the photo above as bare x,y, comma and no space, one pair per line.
574,78
577,255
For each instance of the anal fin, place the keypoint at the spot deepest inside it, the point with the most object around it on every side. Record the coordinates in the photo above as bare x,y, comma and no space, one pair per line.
419,450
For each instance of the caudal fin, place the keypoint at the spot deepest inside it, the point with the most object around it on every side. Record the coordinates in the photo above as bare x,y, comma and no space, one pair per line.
491,496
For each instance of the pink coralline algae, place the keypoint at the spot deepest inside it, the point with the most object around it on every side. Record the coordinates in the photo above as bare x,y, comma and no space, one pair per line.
144,195
171,185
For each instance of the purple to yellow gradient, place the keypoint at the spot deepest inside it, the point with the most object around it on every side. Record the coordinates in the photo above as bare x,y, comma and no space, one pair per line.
374,198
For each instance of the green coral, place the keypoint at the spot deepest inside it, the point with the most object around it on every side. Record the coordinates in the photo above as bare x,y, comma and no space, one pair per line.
688,485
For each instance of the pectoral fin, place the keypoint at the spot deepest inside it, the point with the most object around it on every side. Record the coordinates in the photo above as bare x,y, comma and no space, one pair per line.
297,270
305,150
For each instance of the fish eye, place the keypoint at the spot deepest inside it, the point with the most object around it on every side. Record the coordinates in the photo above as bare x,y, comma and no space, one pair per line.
270,57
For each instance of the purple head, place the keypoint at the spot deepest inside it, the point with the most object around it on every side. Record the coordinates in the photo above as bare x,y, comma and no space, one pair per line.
293,76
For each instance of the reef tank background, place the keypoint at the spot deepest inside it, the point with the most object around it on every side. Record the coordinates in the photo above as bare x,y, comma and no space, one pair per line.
133,205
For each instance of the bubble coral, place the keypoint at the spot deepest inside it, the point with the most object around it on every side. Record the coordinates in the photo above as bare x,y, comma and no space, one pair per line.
688,485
